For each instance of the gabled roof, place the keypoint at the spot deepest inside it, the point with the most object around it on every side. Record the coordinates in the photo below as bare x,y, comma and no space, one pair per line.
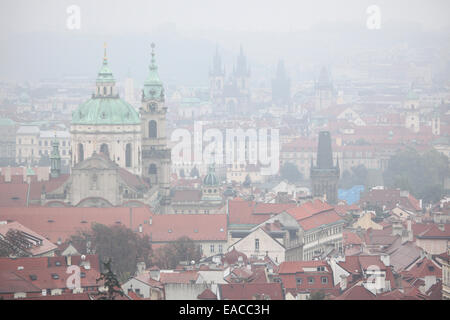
301,266
250,291
35,249
357,292
232,257
178,277
198,227
207,294
422,268
61,223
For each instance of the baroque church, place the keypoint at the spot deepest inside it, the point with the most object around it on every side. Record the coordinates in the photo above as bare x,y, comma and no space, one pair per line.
233,93
120,156
325,174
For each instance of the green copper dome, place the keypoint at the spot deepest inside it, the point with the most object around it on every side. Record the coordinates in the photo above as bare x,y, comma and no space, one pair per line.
105,110
153,87
211,179
105,73
105,107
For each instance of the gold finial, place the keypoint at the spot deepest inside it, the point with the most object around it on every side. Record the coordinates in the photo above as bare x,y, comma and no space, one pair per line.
104,56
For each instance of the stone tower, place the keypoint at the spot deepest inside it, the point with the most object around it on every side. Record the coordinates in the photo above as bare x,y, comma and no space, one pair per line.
216,78
55,159
156,156
323,91
325,175
242,74
106,124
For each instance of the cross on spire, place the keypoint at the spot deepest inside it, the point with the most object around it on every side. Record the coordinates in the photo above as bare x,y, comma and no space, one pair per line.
153,61
105,58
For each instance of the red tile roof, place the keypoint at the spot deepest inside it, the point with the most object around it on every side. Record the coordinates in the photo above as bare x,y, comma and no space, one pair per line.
351,238
207,294
13,194
198,227
421,269
299,266
357,292
250,212
319,219
61,223
35,249
178,277
248,291
232,257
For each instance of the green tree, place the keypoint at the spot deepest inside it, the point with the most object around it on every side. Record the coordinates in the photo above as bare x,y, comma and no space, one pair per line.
318,295
289,172
110,282
421,174
125,247
170,255
355,176
247,181
194,172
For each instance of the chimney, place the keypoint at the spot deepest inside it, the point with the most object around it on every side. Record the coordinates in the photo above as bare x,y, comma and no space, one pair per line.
140,268
7,173
155,273
343,282
386,260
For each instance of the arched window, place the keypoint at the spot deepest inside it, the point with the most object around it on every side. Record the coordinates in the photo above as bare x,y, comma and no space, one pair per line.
80,152
152,129
104,149
128,155
152,169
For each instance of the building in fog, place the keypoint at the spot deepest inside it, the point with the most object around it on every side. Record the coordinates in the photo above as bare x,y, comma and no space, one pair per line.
34,146
325,174
156,155
7,142
107,124
323,90
230,94
281,86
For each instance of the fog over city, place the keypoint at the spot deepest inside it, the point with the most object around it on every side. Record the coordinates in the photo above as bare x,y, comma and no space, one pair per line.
306,34
203,150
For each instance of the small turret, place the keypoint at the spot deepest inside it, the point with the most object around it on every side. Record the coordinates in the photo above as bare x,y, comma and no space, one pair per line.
55,160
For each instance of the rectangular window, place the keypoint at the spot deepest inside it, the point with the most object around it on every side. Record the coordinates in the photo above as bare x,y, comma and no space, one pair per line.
220,248
298,281
256,244
212,248
310,280
324,280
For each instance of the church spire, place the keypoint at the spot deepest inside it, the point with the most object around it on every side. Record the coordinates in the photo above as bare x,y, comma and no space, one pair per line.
105,58
153,87
105,79
55,159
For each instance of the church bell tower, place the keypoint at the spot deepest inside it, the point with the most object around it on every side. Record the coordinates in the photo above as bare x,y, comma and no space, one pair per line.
156,156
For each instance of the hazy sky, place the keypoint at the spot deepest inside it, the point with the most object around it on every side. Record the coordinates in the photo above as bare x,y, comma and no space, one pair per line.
113,16
36,43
